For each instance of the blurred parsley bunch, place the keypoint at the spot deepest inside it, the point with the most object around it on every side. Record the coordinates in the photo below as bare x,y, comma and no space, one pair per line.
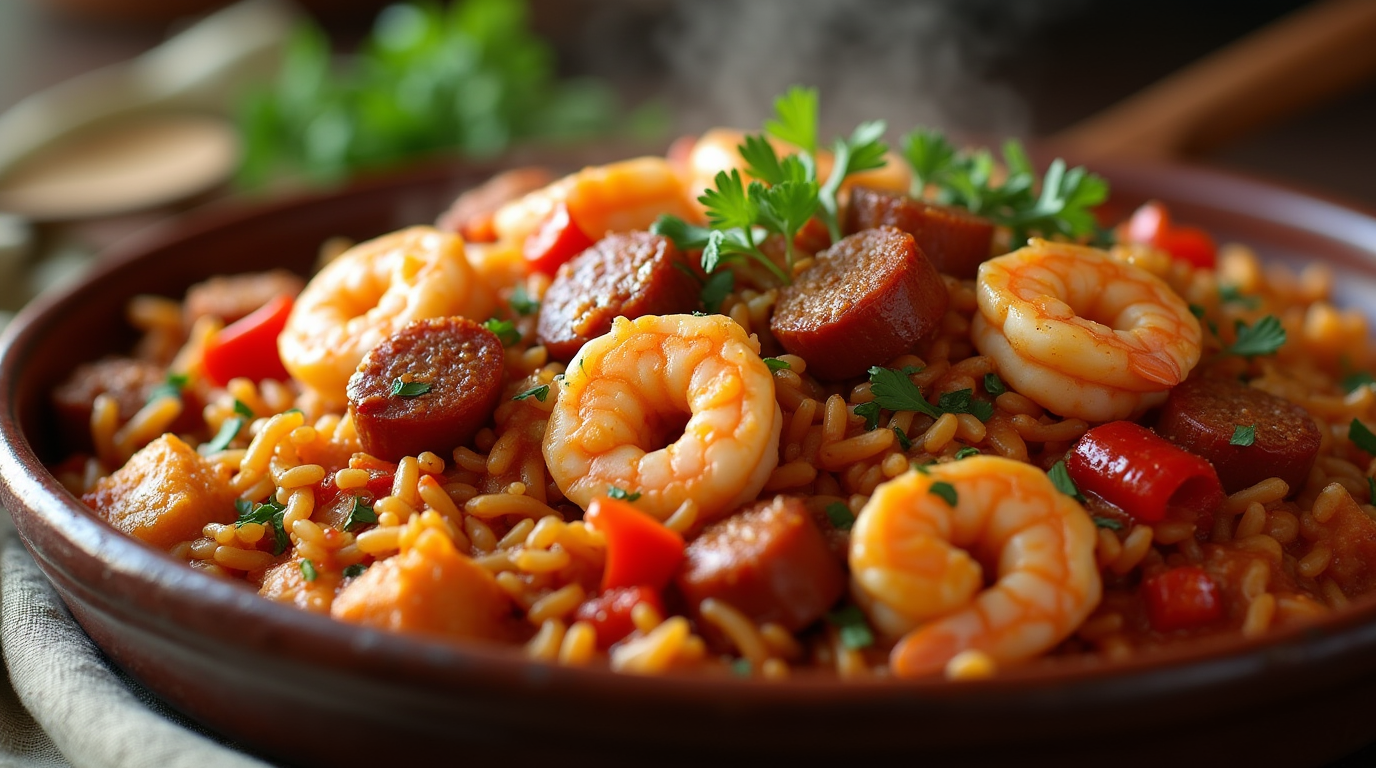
470,78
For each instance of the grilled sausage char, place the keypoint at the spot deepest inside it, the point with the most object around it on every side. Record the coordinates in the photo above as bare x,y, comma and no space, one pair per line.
863,301
955,240
459,365
769,561
627,275
1202,414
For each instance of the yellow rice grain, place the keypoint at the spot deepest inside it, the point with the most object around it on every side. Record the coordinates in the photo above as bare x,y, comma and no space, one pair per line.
104,424
654,652
1261,544
1328,501
388,518
1172,532
645,617
1031,430
222,534
1255,579
1108,548
242,559
544,533
306,474
393,505
780,642
802,418
503,453
969,428
940,433
774,669
840,454
684,518
304,435
378,540
834,420
738,628
203,549
496,562
492,505
1259,614
517,534
1252,522
349,479
300,507
306,530
791,475
1004,438
1333,594
467,459
481,536
546,643
894,465
1282,526
542,560
970,664
250,533
1264,492
1013,403
308,550
1135,547
257,490
405,480
557,604
579,645
436,498
430,463
1313,564
261,447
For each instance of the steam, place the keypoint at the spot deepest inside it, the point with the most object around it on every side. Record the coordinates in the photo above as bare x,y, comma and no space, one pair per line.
921,62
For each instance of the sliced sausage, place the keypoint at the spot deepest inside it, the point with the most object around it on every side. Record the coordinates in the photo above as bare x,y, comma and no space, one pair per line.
454,367
235,296
768,561
471,213
131,382
862,302
954,239
623,275
1202,414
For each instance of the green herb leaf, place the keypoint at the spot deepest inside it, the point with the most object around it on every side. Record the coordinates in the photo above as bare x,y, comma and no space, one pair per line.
171,387
840,516
308,570
360,514
967,452
522,303
1197,310
795,118
354,571
686,237
243,410
1243,435
504,330
622,494
1107,522
741,668
269,513
945,491
870,411
718,286
1264,338
904,441
1361,437
775,364
894,391
728,206
539,393
1060,477
963,401
931,157
409,388
228,431
1355,380
852,627
1231,294
994,385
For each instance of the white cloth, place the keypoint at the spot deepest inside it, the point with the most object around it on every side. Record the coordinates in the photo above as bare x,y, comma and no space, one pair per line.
62,703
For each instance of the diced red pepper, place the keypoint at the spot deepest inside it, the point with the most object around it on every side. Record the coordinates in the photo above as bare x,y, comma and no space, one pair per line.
609,612
1181,598
1151,225
640,550
1143,474
248,346
557,240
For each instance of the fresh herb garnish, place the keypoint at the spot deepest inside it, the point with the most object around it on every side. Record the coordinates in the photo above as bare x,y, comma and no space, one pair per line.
1060,477
308,570
539,393
522,303
621,494
1243,436
1064,205
840,516
966,452
228,431
852,627
1361,437
409,388
355,570
1264,338
715,290
361,513
1371,489
904,441
243,410
870,412
945,491
1355,380
963,401
741,667
775,364
269,513
994,385
1107,522
171,387
894,391
504,330
1231,294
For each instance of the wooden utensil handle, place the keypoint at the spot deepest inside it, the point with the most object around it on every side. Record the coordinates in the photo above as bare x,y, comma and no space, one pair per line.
1293,63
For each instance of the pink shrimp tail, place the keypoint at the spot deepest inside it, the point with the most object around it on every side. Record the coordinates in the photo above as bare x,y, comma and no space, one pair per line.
924,651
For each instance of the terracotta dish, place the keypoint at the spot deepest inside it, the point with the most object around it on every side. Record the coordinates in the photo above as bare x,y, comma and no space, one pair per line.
304,689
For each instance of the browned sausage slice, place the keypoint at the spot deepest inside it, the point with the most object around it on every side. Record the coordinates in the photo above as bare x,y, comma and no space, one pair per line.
1202,414
955,240
131,382
231,297
454,367
471,213
768,561
627,275
862,302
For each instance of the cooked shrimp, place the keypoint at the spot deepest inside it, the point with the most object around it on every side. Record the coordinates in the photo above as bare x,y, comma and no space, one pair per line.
619,197
717,151
916,563
368,293
627,392
1083,335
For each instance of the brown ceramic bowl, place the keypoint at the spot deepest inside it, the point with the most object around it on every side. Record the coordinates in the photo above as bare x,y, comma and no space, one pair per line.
307,690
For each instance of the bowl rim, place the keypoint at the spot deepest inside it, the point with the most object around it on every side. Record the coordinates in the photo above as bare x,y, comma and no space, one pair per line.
1199,665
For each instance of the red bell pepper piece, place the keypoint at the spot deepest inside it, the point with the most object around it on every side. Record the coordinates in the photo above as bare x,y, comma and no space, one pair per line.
248,346
1181,598
641,552
609,612
557,240
1142,474
1151,225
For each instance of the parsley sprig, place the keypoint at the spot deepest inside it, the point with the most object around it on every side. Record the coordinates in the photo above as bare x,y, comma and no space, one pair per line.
894,391
1262,338
1058,203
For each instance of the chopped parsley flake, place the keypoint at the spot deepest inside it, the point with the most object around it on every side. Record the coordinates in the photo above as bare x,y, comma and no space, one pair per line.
870,411
228,431
840,516
269,513
963,401
1243,435
945,491
852,627
1060,477
522,303
621,494
894,391
360,514
741,668
504,330
1264,338
1107,522
994,385
243,410
355,570
308,570
904,441
539,393
775,364
1231,294
172,387
967,452
409,388
1353,381
1361,437
718,286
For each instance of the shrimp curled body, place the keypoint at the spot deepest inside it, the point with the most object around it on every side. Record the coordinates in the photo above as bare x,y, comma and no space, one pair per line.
916,563
627,392
370,292
1083,335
